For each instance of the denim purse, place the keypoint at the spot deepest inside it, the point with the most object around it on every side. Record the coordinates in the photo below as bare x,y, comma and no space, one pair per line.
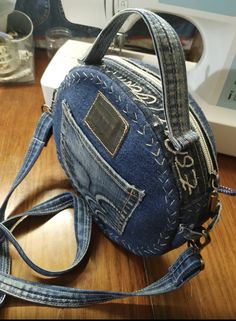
141,157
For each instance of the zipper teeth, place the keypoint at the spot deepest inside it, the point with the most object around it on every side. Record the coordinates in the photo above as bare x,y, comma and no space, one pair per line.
203,143
193,121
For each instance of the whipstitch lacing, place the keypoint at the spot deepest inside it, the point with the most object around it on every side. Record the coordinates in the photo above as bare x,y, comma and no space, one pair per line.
171,222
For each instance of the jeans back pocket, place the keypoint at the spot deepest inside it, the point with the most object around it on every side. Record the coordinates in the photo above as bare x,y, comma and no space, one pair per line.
110,197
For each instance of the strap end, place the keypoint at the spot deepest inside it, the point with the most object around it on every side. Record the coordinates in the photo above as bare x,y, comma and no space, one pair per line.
182,142
189,264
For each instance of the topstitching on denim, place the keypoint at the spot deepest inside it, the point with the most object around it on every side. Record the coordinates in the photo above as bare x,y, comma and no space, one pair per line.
111,197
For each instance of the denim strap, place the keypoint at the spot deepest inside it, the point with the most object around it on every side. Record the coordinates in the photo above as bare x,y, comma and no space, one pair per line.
82,215
172,67
41,136
82,228
187,265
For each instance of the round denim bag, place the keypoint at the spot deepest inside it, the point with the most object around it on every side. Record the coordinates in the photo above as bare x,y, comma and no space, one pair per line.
141,157
135,144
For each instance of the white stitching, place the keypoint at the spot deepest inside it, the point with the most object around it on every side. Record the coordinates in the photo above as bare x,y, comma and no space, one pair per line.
171,222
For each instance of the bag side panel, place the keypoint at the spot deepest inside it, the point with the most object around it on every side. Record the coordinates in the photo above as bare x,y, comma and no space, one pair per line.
140,161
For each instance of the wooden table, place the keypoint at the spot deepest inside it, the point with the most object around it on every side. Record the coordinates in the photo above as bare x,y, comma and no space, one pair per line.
50,243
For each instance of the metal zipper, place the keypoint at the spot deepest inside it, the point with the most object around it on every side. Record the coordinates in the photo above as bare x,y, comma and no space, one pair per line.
212,168
204,146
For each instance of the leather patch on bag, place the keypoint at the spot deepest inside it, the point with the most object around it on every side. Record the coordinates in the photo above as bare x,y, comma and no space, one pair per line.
107,124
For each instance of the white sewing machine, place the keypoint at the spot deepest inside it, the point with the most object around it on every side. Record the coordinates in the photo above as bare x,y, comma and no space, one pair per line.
212,80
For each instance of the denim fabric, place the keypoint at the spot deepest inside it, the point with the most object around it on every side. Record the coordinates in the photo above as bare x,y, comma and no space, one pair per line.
165,160
46,14
193,211
187,265
170,57
82,228
140,162
136,195
109,193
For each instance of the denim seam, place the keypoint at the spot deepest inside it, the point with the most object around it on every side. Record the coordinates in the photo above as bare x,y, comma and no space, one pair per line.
141,131
72,302
69,82
163,236
186,184
95,156
180,72
70,79
174,72
132,200
52,208
5,265
156,154
84,244
29,160
165,96
116,224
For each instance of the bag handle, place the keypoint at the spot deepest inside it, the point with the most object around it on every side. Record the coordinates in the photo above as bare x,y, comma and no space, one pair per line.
171,61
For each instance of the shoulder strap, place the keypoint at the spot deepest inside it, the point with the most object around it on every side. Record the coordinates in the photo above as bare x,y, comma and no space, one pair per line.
82,216
40,138
187,265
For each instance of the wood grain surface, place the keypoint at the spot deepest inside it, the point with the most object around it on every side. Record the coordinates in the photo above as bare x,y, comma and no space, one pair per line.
50,242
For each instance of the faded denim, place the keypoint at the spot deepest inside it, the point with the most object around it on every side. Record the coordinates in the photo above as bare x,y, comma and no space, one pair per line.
151,195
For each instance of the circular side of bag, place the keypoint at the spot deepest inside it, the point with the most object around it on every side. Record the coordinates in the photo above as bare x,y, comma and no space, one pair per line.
117,162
